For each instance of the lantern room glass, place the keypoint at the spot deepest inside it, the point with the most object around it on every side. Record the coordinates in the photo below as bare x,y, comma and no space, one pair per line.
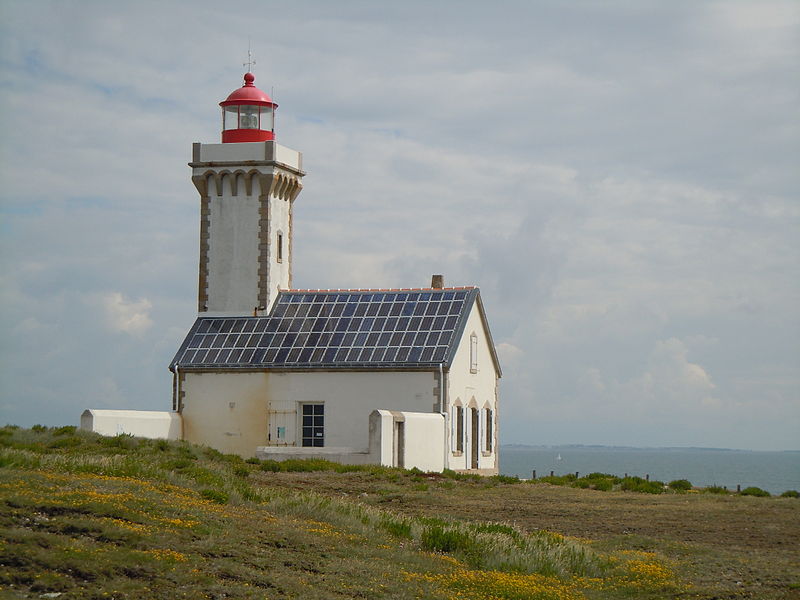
230,117
247,116
267,123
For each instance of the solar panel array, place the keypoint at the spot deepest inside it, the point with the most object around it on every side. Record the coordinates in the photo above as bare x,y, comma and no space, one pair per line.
334,329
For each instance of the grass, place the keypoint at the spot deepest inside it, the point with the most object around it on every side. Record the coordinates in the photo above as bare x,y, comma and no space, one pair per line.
125,517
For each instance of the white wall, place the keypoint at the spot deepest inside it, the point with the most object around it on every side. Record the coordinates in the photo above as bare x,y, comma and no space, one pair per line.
473,389
349,398
233,253
279,271
263,401
422,446
251,151
141,423
424,441
227,411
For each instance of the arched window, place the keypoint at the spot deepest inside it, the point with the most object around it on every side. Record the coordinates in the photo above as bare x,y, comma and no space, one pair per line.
457,427
488,421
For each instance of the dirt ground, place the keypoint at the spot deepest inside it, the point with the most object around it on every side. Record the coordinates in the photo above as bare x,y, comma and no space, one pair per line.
726,546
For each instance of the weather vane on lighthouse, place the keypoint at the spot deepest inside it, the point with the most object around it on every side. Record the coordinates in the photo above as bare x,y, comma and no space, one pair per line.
250,62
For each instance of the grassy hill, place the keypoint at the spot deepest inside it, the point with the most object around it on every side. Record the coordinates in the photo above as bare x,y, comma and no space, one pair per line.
90,517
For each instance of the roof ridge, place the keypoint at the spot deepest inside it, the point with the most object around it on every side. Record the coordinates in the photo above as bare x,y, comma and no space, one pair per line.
427,289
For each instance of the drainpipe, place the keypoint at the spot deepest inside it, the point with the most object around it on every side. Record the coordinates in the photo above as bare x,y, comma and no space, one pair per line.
443,412
175,388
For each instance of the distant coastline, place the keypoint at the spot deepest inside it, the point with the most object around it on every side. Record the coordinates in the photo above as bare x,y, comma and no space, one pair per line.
638,448
772,470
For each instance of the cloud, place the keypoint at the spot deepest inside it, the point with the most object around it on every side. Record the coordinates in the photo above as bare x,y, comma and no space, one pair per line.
125,316
670,385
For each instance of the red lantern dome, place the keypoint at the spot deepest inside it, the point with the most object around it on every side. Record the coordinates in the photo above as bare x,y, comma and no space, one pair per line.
248,114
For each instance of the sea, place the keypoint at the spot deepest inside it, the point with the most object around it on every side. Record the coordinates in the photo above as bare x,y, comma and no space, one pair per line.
775,472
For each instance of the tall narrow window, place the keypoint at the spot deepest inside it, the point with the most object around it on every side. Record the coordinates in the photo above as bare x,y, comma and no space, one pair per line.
473,353
313,430
459,428
280,247
489,431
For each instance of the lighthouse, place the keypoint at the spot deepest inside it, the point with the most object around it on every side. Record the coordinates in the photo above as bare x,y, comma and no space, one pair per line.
247,184
404,377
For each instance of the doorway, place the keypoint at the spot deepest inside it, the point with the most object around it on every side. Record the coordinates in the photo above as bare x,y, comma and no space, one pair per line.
400,444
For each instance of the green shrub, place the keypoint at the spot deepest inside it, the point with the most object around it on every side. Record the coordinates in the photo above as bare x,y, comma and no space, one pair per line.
715,489
178,464
631,482
450,474
596,475
121,440
637,484
505,478
790,494
439,539
67,442
603,485
554,480
66,430
397,527
217,496
161,445
38,428
241,471
251,495
680,485
253,461
755,491
213,454
496,528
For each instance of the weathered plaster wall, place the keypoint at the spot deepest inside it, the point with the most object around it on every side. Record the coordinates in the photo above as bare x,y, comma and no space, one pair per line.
236,412
349,398
226,411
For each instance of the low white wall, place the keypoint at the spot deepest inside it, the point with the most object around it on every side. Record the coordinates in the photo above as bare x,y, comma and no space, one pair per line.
345,456
141,423
425,441
423,444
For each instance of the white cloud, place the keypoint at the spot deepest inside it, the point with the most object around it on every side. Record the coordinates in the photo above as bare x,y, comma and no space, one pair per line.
126,316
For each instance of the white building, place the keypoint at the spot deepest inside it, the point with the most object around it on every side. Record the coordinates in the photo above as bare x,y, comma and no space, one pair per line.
404,377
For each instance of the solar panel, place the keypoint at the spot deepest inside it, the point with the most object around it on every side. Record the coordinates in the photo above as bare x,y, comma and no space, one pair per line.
334,329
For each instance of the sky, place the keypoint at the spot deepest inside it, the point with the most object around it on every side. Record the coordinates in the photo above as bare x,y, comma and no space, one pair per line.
620,179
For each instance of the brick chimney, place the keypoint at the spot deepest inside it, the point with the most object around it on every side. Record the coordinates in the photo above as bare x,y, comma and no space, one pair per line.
437,282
